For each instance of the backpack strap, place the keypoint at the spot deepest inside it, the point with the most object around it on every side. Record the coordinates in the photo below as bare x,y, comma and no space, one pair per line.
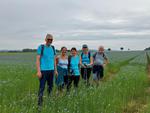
54,50
42,49
81,54
94,56
104,56
89,55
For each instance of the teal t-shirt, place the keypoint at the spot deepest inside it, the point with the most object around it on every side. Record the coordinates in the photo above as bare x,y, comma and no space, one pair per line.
48,57
74,65
85,58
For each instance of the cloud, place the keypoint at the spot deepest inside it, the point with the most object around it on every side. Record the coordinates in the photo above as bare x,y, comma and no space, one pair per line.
29,21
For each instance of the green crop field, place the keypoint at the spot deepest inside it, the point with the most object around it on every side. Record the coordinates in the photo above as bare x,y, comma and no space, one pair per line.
125,88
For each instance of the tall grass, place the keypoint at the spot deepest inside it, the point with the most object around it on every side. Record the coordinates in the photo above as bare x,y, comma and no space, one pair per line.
19,86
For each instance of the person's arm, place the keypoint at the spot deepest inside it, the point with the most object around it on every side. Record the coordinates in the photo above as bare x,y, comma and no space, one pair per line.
55,65
38,66
93,57
82,65
80,61
91,60
106,61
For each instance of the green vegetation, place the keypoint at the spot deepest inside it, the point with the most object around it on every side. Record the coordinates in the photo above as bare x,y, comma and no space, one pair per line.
123,90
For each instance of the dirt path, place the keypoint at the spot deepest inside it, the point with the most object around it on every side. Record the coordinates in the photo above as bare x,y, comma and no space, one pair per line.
111,74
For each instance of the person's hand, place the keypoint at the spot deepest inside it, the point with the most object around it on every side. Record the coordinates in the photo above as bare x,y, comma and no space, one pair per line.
83,65
39,74
104,65
89,65
56,73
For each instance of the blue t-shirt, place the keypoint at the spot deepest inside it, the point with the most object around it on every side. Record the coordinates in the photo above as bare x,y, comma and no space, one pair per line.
74,65
85,58
47,59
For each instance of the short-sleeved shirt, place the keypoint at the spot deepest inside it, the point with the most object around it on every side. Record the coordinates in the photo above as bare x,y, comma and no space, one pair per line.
74,65
85,58
99,58
48,57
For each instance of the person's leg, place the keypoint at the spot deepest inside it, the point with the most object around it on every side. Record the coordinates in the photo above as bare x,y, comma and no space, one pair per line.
95,70
70,78
82,73
101,72
65,80
98,72
41,88
61,82
88,75
50,76
76,81
95,78
60,79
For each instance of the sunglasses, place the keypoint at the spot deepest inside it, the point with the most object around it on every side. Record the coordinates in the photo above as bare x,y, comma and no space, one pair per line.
49,39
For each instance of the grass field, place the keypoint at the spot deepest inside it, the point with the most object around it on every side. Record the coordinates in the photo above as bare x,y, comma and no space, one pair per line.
125,88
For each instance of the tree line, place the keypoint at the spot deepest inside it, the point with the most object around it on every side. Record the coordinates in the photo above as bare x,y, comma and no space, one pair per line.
34,50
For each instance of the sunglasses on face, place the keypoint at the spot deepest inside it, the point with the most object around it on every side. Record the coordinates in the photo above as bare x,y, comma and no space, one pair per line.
49,39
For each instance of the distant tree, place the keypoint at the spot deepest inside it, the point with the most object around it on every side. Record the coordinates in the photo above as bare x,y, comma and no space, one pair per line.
109,49
147,48
14,51
128,49
28,50
121,48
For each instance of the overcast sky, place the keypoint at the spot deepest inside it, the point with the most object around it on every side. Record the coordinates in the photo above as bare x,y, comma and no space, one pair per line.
112,23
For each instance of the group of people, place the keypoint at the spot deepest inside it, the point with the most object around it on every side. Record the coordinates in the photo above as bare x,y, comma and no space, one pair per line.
67,68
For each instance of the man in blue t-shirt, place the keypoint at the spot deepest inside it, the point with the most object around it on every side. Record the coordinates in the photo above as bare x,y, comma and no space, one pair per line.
45,63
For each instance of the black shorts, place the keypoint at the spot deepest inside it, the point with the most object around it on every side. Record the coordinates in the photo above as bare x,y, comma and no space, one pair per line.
99,71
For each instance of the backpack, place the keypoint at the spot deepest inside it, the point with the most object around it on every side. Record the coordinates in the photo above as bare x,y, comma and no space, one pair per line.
89,55
94,56
42,49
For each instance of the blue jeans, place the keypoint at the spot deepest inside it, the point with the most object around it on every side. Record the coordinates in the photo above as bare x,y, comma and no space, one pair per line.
46,76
